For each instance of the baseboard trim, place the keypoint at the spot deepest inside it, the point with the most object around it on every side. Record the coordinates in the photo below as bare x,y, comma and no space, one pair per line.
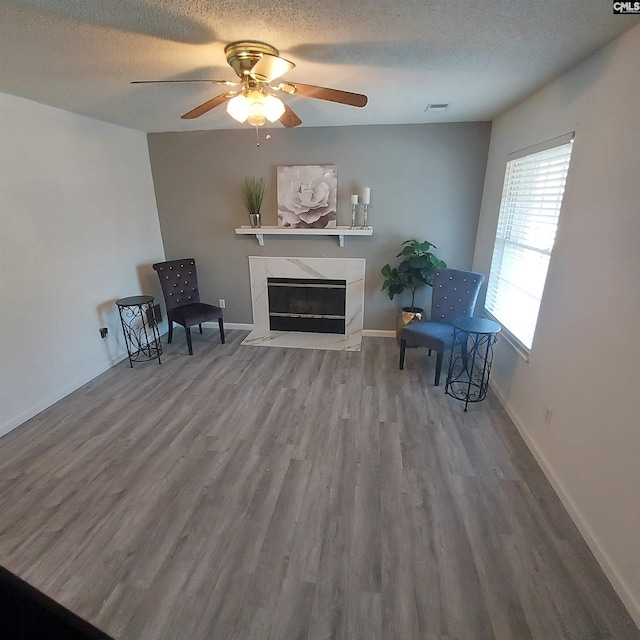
378,333
242,326
619,585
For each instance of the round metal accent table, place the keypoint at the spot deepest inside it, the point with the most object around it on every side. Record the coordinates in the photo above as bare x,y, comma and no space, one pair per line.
471,358
140,329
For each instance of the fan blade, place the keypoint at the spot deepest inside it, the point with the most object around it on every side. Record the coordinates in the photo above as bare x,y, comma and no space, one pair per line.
208,105
227,83
324,93
289,118
270,67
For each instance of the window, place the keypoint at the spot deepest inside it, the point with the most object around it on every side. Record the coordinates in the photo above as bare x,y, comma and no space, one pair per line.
532,194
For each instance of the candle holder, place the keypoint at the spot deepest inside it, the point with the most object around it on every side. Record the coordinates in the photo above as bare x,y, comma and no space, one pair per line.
353,216
365,215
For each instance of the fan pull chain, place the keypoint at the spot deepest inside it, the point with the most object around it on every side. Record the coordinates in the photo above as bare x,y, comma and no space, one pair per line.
267,137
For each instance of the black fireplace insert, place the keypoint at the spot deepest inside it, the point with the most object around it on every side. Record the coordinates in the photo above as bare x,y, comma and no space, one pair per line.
311,305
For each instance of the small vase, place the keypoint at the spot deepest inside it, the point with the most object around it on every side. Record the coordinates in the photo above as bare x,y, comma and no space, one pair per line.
254,219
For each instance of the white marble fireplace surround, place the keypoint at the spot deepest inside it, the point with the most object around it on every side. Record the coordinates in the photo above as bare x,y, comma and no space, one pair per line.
350,269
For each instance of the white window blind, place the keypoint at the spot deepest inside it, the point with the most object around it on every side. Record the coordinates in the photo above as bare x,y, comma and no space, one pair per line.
529,211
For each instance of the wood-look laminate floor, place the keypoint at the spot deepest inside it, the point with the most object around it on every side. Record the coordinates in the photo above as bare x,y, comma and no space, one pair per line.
251,492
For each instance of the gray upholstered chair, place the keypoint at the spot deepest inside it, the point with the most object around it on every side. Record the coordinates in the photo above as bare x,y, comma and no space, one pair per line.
179,281
454,294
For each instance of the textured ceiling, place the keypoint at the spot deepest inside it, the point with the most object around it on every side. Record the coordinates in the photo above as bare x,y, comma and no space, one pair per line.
480,56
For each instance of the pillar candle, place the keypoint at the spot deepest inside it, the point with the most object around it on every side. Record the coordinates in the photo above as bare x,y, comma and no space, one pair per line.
366,196
354,199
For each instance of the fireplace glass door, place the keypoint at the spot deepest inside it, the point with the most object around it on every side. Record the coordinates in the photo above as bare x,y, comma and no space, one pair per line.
311,305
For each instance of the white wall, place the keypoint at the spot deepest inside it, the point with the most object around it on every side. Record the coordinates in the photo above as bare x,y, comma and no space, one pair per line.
587,346
78,229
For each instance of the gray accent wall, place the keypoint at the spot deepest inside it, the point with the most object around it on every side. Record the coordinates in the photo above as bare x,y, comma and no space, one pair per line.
426,183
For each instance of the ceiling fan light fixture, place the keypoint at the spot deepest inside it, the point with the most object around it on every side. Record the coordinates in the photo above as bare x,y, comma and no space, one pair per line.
256,115
255,107
238,108
273,108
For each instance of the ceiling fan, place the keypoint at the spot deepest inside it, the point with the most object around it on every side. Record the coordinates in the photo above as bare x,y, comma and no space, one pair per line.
258,65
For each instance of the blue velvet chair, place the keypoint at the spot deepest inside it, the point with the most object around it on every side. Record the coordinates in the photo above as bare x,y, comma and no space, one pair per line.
454,294
179,281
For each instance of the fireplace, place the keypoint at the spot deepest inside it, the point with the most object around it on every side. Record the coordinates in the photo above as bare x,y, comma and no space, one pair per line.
308,321
303,304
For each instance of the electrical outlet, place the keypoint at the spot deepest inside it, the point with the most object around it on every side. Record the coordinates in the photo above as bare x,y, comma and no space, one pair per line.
222,304
104,332
548,413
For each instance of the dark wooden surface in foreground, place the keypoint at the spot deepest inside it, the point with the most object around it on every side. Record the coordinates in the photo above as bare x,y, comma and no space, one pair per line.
250,492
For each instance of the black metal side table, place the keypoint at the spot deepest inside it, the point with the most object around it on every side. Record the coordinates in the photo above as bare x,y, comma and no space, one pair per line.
140,330
471,358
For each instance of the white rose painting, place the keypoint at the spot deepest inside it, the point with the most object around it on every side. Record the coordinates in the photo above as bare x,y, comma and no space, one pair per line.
307,196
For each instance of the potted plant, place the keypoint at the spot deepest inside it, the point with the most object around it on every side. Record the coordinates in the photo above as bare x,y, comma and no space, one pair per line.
253,194
415,271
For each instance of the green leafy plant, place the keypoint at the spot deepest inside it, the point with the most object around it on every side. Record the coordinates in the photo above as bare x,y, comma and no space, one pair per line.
415,271
253,193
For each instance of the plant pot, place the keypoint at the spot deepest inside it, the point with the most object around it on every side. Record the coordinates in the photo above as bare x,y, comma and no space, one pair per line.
254,219
407,316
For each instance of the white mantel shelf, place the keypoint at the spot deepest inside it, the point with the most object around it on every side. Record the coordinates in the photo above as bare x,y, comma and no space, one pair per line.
340,232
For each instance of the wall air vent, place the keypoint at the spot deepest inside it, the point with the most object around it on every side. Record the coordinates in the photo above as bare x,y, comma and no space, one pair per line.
436,107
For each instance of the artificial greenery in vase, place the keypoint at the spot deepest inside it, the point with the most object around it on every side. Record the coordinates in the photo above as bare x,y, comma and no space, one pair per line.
416,270
253,193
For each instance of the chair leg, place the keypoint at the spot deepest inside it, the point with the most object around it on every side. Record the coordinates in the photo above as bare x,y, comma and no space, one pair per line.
200,329
221,325
438,367
170,336
403,347
188,332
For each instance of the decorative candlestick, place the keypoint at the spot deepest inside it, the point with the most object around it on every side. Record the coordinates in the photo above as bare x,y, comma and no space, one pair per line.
354,204
366,199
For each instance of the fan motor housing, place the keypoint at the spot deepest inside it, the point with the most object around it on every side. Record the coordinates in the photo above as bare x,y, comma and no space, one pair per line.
243,55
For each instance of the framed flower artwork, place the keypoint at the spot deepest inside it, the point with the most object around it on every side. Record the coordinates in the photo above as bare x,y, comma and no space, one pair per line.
307,196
